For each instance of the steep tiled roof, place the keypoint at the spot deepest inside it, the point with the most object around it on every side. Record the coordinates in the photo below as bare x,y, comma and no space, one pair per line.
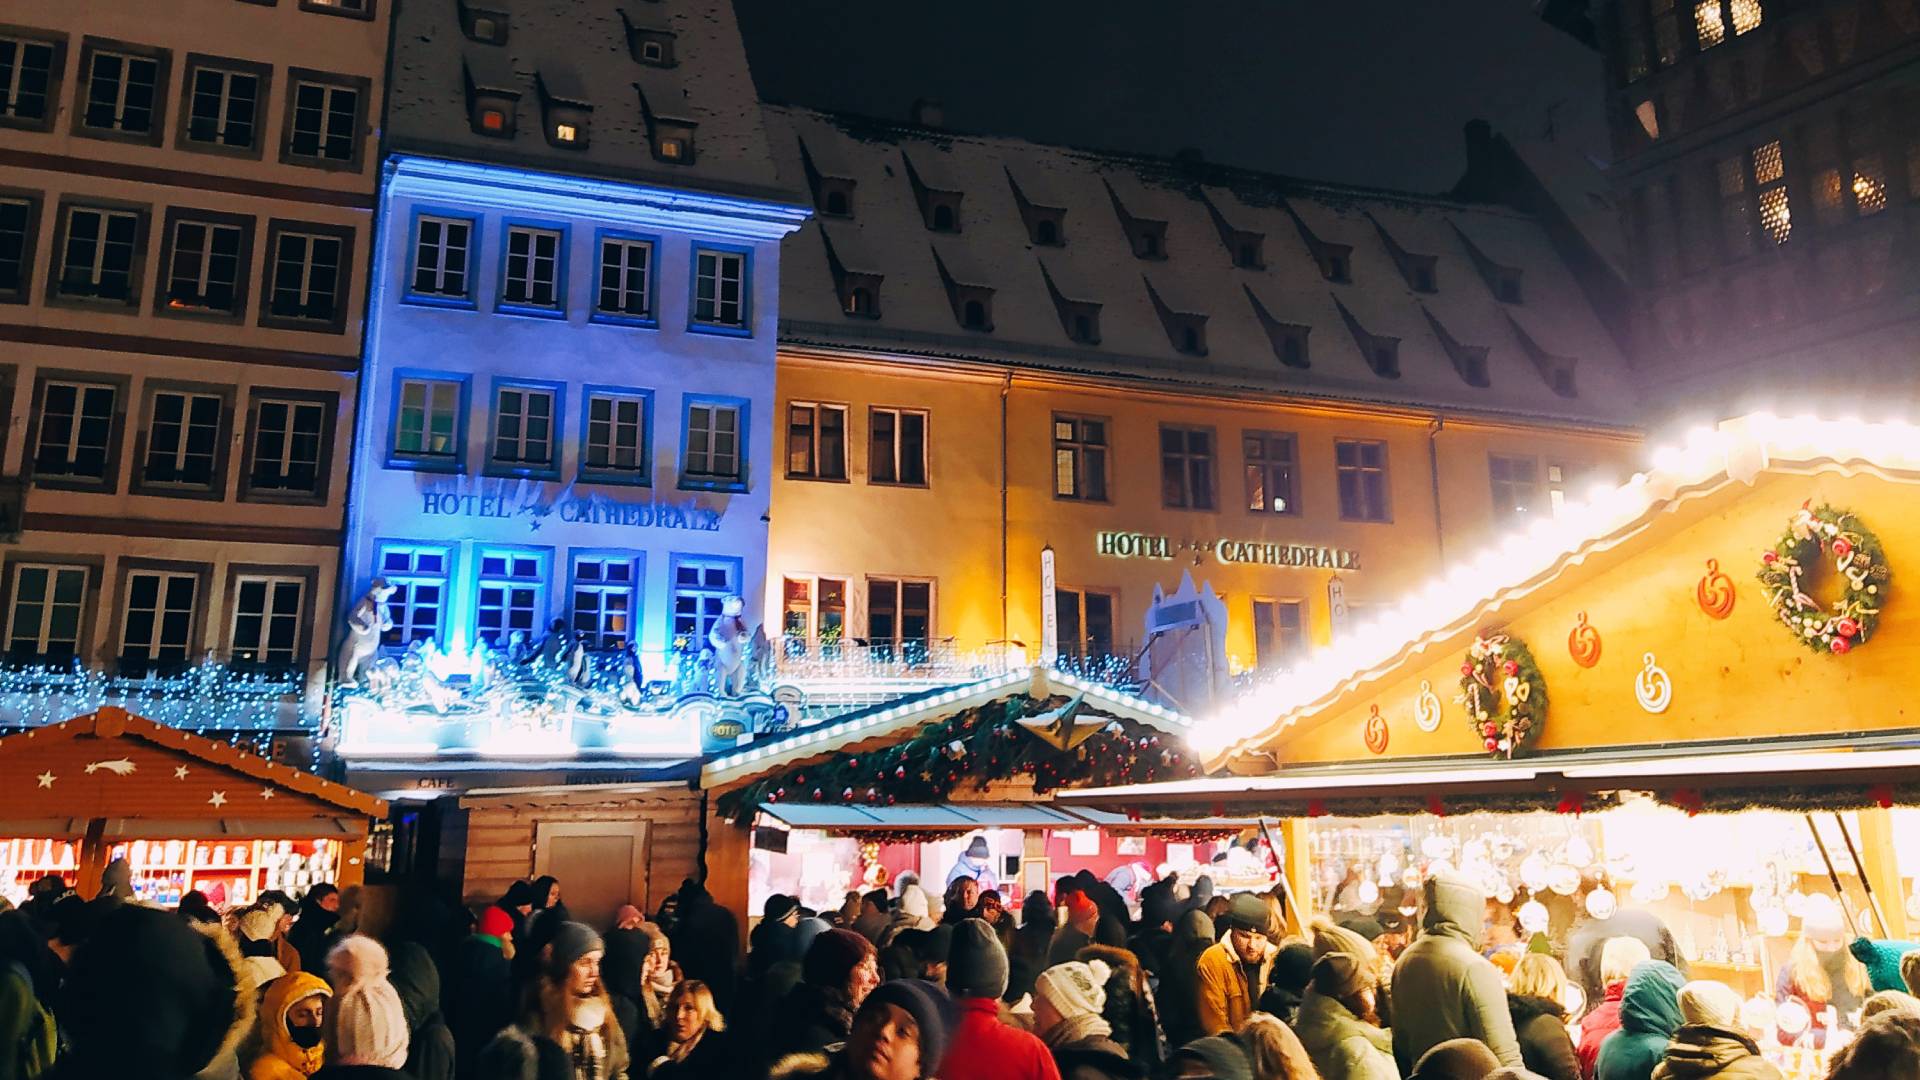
1525,335
583,53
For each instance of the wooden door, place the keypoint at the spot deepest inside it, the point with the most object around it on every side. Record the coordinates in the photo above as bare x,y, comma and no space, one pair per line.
600,864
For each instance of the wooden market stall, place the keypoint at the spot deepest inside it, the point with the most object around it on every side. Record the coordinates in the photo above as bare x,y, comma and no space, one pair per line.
185,811
1693,694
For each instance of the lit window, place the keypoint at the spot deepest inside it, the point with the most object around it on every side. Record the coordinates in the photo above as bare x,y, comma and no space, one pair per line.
1080,458
493,120
156,627
700,588
1770,178
604,599
266,620
1084,622
898,449
428,420
814,617
1745,14
1270,472
48,601
418,576
1666,32
1707,23
509,596
565,132
1649,117
672,149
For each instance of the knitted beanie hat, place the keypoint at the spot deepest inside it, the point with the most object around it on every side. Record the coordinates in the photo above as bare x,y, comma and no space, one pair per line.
778,906
1456,1059
356,958
831,958
978,849
367,1025
1714,1004
976,961
930,1008
1341,975
1079,906
1329,937
571,942
1074,989
495,923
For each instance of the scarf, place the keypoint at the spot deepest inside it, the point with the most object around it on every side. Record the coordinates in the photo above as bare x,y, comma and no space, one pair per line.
585,1048
1073,1029
679,1051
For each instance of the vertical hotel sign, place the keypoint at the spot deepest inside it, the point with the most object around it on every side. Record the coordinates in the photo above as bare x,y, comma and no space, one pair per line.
1049,613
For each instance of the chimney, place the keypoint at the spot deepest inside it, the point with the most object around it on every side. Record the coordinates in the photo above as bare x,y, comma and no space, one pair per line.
928,112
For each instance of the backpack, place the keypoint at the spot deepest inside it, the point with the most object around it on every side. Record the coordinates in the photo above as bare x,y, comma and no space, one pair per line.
39,1036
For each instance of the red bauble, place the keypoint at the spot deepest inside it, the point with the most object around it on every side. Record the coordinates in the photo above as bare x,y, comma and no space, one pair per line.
1846,628
1466,671
1512,668
800,778
818,795
1769,557
1840,645
1493,744
900,773
1842,547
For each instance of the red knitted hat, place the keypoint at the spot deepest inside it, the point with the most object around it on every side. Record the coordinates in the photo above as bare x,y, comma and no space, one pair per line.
495,923
1079,905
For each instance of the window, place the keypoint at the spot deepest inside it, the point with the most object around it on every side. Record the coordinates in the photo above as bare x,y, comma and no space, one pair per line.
1666,32
898,453
360,8
837,203
266,620
428,421
76,430
418,604
27,71
815,616
532,277
1046,231
1561,478
625,270
156,630
523,426
1849,185
1270,472
1516,485
700,587
44,621
1770,181
1085,624
816,441
1716,20
286,446
973,315
1736,213
617,436
1079,458
604,600
1186,467
205,262
899,619
441,250
1279,632
508,596
719,284
944,219
99,255
1361,467
223,107
123,91
324,122
183,439
713,443
308,281
18,216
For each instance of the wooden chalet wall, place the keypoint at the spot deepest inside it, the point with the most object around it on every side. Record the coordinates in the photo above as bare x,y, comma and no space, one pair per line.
501,826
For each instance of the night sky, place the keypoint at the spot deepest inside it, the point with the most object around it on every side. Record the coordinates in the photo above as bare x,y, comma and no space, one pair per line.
1362,91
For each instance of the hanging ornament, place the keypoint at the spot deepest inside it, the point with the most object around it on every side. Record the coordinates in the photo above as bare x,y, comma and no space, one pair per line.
1503,892
1714,592
1534,917
1651,686
1533,872
1426,708
1563,879
1583,642
1579,852
1601,903
1376,732
1771,919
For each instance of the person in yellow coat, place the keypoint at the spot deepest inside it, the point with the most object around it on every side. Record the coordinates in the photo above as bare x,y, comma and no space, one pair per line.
1232,974
290,1017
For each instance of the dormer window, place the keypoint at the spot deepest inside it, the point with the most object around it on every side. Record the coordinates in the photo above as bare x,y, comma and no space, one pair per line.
1046,224
860,295
565,133
1555,369
1385,358
567,111
492,120
1185,324
649,41
1083,323
1418,270
1246,252
1469,360
493,94
669,132
967,288
488,26
860,301
1420,277
1293,349
1502,280
974,314
675,148
1336,262
1149,239
939,198
1046,231
943,214
837,200
1506,286
1190,335
1289,340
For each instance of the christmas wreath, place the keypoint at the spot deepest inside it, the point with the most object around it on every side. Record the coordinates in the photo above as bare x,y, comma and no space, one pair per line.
1857,557
1504,694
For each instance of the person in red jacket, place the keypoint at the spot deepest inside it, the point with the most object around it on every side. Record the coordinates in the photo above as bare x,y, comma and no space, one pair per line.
1617,959
981,1045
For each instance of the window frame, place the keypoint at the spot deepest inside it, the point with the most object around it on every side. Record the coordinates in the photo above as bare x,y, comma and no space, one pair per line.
309,579
177,216
696,325
556,436
1187,459
216,487
811,643
648,321
262,106
201,575
543,603
423,462
321,7
814,475
464,299
362,88
899,413
329,405
1080,651
90,569
898,641
690,481
56,73
1306,632
35,202
736,578
636,590
90,49
1079,445
1506,510
1267,436
277,228
642,474
136,280
562,234
109,483
1386,480
451,571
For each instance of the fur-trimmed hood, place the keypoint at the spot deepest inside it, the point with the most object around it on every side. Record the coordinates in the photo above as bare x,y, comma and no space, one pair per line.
803,1067
1122,961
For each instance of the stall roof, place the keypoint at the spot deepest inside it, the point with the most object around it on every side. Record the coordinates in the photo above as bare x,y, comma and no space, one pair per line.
908,714
1710,462
965,817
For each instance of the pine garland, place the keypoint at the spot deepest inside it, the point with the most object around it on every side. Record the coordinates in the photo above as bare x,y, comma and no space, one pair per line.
1856,556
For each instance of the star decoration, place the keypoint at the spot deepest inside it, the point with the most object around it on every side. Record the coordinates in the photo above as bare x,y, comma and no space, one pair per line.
47,779
218,798
1066,727
266,793
180,773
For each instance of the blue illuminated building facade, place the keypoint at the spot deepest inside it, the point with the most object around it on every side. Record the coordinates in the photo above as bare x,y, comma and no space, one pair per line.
566,427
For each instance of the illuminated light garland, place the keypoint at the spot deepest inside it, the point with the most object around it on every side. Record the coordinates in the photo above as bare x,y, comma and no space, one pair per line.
217,701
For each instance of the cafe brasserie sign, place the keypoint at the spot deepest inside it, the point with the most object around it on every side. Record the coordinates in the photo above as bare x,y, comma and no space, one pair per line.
1231,552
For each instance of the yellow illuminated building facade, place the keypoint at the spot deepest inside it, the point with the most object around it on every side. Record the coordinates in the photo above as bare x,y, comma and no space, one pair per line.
1308,398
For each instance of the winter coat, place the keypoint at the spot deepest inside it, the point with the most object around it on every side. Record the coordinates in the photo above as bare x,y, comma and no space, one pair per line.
1601,1021
429,1040
1067,943
1179,996
621,969
706,939
312,934
1886,1046
1129,1011
1151,945
979,1045
29,1038
712,1059
279,1058
1541,1027
1446,989
1590,938
808,1020
477,999
871,926
772,942
1882,960
1649,1015
1096,1058
1225,999
1343,1046
810,1067
1700,1052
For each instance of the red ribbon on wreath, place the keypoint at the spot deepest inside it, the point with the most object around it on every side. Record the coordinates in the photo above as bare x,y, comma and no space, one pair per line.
1573,802
1688,799
1436,807
1882,795
1316,808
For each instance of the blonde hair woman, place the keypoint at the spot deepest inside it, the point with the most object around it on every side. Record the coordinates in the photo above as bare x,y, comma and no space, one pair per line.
1821,972
1275,1050
1536,999
696,1042
1617,959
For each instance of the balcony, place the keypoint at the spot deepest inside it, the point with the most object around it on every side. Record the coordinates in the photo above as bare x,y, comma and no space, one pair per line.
210,696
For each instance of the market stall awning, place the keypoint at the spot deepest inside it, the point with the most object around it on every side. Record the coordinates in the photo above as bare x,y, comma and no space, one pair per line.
313,828
957,817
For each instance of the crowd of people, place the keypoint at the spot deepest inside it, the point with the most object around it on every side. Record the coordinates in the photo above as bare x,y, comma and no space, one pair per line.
897,984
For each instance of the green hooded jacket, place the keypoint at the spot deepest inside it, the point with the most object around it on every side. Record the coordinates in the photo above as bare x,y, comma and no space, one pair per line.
1453,992
1649,1015
1342,1046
